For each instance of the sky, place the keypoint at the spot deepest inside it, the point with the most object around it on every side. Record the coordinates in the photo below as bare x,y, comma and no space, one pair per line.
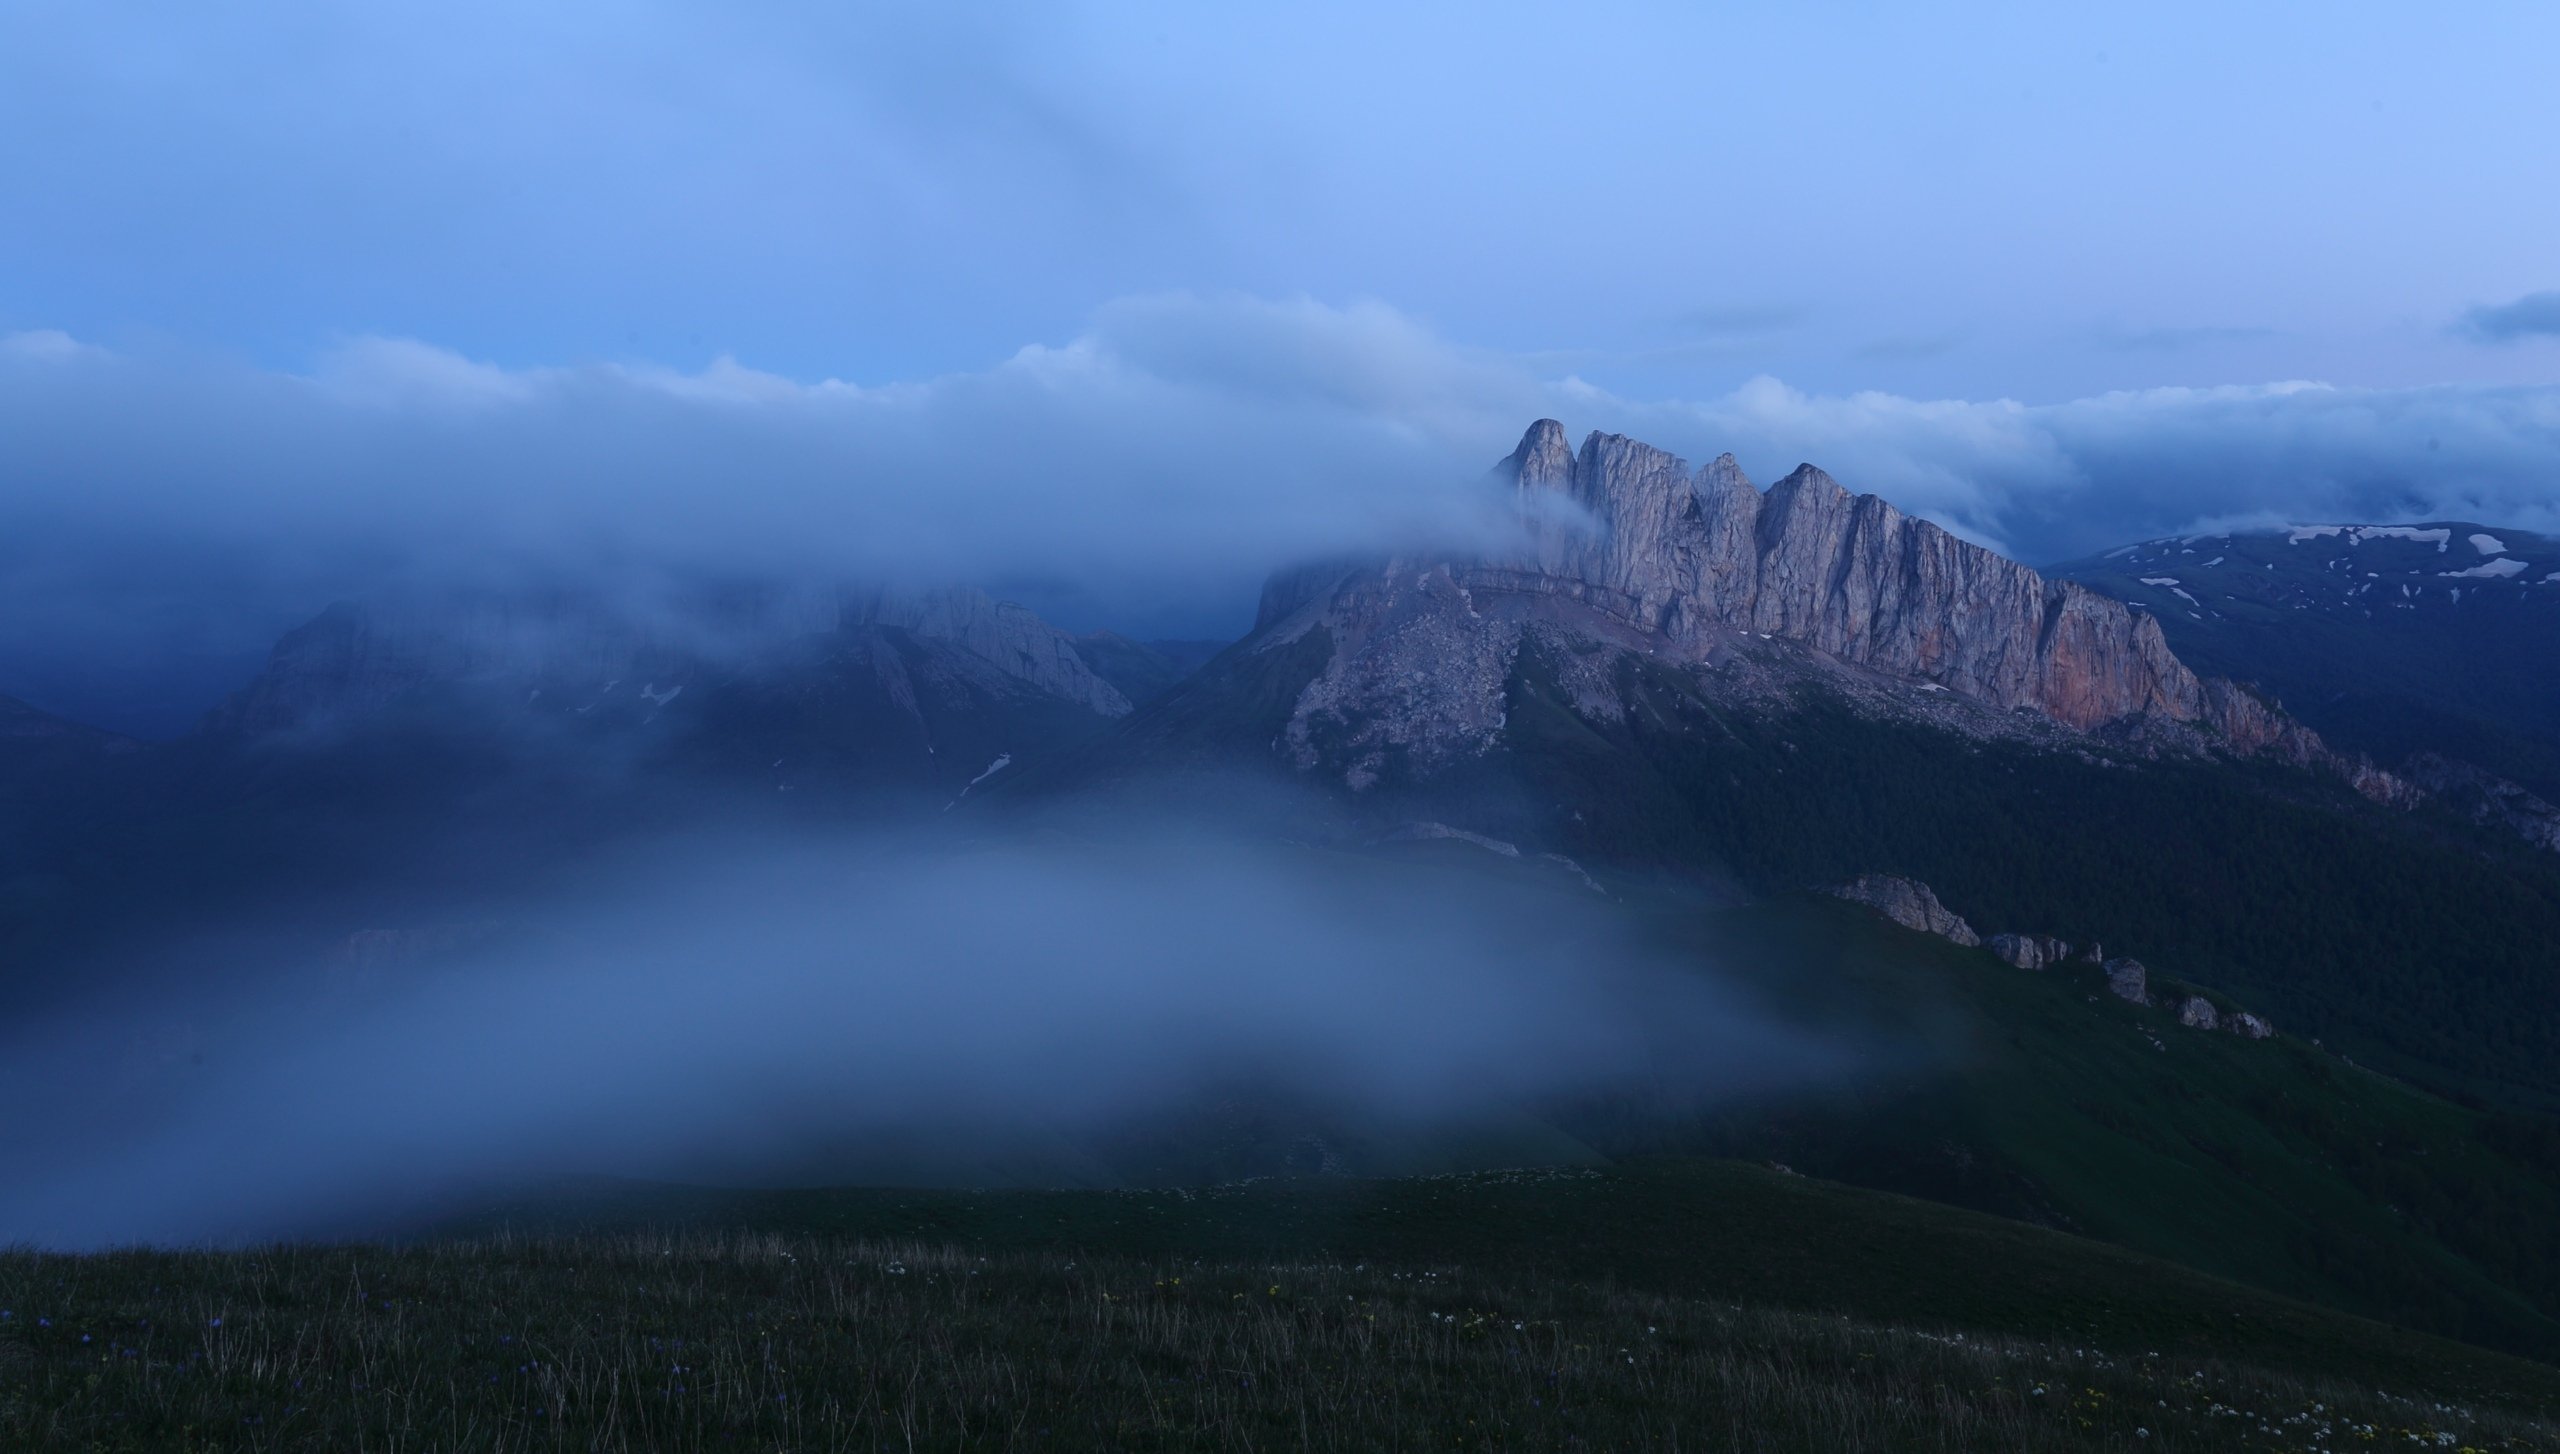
1115,307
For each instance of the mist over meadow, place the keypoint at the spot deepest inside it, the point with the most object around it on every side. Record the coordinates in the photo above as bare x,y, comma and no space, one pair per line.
843,1006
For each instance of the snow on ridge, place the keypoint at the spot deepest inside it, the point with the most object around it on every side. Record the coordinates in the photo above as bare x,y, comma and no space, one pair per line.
2488,545
2498,569
2359,534
2436,537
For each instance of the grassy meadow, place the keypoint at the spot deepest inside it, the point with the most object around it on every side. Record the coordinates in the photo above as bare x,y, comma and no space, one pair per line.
761,1341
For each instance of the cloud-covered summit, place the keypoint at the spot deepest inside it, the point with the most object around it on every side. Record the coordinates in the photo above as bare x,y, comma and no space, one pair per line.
1146,472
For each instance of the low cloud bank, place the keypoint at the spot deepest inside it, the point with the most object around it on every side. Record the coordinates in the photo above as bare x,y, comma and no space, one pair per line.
169,513
754,1007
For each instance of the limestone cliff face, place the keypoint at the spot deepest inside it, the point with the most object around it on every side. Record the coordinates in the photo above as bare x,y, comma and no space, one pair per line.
1627,544
1695,555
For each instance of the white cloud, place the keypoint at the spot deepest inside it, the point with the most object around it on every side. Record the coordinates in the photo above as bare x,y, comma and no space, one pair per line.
1148,471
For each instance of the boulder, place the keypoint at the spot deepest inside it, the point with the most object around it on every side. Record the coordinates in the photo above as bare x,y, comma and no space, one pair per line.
1908,903
2249,1026
2197,1013
2128,980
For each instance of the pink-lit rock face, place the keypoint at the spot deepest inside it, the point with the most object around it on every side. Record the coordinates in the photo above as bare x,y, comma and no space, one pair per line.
1628,547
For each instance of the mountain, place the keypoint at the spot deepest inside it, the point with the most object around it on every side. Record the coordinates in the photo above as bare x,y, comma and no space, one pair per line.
1755,692
1630,561
2402,641
406,764
837,686
1630,554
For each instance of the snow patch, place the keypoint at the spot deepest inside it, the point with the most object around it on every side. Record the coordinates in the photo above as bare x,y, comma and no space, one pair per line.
1003,761
2159,580
2437,538
2502,567
2488,545
661,699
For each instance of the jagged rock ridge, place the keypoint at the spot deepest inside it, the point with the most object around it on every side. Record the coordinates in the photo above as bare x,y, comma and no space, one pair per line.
1646,553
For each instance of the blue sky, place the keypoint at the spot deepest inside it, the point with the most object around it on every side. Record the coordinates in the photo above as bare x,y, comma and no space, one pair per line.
2029,201
1181,289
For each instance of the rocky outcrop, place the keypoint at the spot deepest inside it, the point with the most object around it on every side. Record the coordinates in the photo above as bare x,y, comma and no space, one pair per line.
2128,980
2488,799
1908,903
2028,951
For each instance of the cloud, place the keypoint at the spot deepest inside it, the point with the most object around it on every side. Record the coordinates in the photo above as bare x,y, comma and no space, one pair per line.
1145,472
733,1008
2047,482
2535,315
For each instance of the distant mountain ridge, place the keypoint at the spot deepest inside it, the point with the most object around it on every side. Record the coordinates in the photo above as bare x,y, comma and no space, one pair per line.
2398,640
356,658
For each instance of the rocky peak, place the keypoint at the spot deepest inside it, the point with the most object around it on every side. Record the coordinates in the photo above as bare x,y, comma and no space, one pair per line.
1723,475
1544,461
1703,557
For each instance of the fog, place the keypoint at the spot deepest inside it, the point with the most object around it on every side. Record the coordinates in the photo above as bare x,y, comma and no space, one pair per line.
823,1008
